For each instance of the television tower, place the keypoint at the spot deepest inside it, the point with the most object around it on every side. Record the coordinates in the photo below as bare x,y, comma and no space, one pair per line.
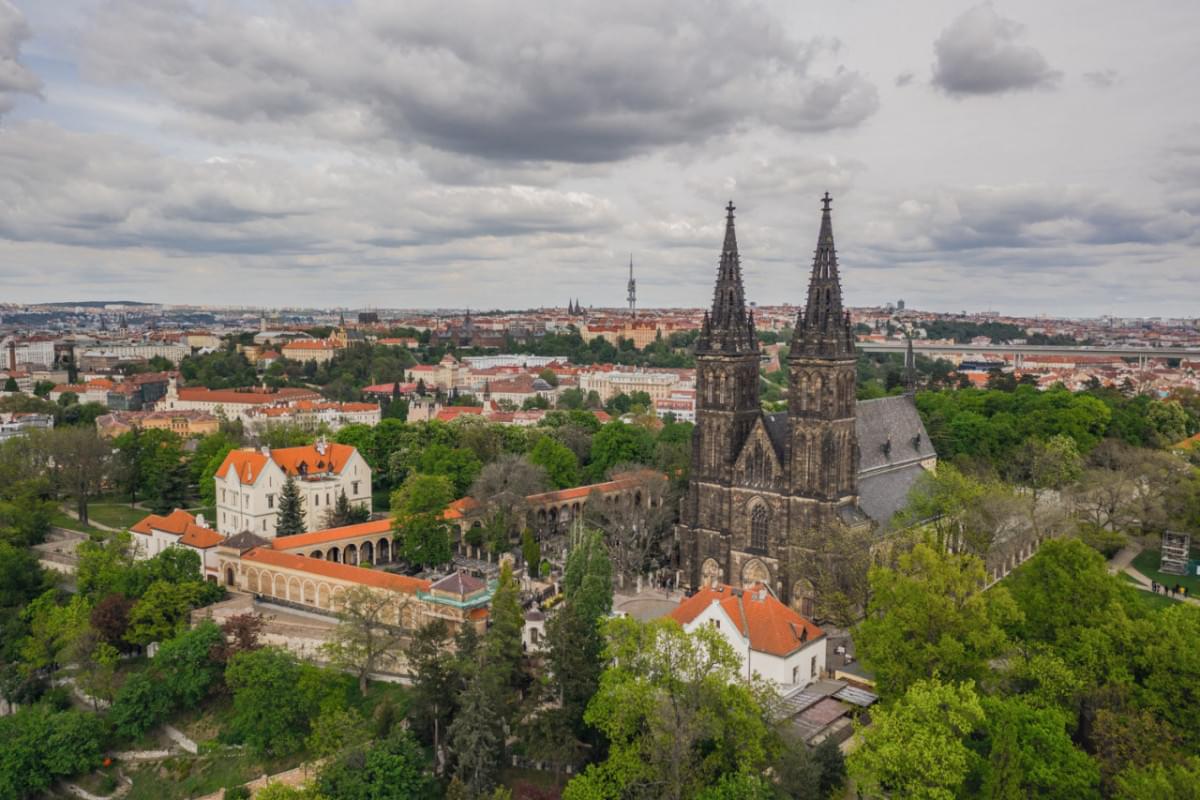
632,286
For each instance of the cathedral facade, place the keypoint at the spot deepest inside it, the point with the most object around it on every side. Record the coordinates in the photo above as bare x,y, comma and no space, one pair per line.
763,486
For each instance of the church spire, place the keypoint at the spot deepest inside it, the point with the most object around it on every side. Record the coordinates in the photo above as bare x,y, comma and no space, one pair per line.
729,328
823,329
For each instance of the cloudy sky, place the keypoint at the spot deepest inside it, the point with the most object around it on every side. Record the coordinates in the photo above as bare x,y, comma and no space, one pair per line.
1018,155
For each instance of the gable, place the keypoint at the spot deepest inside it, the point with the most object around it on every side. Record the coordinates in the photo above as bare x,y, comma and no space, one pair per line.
759,461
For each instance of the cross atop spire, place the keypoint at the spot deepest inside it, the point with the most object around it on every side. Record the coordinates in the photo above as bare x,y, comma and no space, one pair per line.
729,329
823,329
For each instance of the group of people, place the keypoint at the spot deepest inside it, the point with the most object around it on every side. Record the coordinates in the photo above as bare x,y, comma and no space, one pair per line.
1178,590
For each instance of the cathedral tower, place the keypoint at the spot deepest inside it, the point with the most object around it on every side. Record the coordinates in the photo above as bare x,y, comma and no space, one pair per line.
821,398
727,404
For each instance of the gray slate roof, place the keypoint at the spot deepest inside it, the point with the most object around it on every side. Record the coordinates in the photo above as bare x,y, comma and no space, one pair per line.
892,442
890,433
881,494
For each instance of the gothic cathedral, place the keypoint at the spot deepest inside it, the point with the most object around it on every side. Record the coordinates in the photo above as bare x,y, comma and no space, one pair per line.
761,483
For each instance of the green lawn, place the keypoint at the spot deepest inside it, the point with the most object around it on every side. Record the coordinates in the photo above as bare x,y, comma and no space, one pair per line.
116,515
61,519
1146,562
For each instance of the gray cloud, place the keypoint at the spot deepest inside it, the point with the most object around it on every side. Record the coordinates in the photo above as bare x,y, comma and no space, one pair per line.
570,81
1101,79
905,78
979,53
15,78
103,191
1028,217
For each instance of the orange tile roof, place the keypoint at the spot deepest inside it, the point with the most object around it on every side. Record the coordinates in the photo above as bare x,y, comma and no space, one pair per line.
234,397
453,412
182,524
332,569
249,463
246,463
309,344
584,491
459,508
369,528
758,616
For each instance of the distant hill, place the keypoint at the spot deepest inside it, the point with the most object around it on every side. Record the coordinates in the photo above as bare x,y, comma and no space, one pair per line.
99,303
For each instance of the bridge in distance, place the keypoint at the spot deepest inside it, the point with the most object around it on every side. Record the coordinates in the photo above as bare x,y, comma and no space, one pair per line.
1142,354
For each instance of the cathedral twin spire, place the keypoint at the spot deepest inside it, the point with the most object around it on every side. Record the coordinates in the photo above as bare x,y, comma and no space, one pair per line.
728,328
822,328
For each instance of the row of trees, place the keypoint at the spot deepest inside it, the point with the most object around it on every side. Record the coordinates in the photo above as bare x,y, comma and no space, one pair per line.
1061,681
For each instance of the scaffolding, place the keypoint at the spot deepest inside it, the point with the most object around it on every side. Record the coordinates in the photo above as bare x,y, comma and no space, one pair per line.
1176,548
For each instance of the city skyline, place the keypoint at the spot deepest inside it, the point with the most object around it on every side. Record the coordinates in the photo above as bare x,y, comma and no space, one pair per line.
996,156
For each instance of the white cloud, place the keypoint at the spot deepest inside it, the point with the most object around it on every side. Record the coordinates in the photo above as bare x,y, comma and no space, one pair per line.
980,53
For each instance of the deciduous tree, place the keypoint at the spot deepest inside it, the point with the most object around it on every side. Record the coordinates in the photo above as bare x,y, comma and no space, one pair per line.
369,631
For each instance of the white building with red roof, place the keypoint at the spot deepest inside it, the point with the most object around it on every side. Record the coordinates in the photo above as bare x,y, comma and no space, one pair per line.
249,481
155,533
769,637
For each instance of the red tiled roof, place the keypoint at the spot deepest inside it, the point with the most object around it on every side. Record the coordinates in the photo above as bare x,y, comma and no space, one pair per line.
182,524
249,463
584,491
332,569
453,412
758,615
234,397
369,528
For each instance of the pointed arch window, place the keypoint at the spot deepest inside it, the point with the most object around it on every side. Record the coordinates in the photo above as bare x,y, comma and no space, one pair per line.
758,528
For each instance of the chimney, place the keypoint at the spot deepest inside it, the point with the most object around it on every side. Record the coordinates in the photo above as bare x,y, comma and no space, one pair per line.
200,521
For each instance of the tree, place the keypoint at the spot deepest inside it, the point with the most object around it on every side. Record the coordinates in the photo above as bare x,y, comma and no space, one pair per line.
930,616
162,612
502,487
502,648
335,729
54,626
186,666
916,748
291,510
1177,781
477,737
676,713
636,524
42,745
370,628
417,507
80,464
561,465
141,703
241,633
342,513
619,443
1029,753
392,769
531,551
588,579
437,681
1051,587
1043,466
456,463
11,385
269,714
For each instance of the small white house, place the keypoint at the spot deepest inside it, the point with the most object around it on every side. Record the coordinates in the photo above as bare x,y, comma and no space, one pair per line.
156,533
770,638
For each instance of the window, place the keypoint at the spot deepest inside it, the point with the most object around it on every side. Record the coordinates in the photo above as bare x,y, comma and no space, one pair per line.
716,623
327,498
270,501
354,488
264,524
758,528
222,495
812,670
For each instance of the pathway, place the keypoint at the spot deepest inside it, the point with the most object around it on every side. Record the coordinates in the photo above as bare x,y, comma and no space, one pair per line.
73,514
1123,562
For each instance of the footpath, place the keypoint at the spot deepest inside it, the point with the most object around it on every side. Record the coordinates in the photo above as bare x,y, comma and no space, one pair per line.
1122,562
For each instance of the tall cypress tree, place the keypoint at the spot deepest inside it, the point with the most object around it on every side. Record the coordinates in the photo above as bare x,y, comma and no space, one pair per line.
291,512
